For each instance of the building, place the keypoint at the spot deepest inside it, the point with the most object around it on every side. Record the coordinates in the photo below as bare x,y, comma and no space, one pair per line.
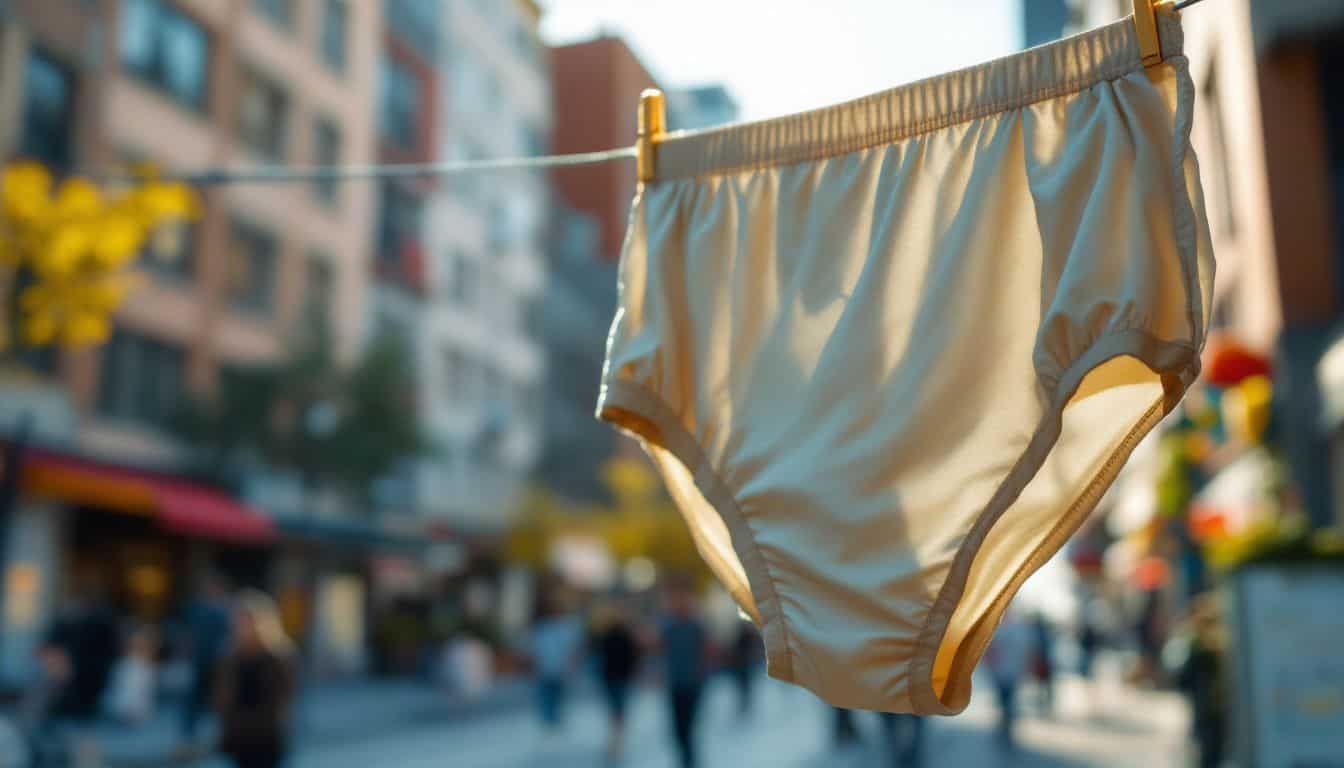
578,305
1044,21
702,106
465,261
596,87
184,84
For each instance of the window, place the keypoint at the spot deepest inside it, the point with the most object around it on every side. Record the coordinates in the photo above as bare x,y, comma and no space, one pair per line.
141,379
417,22
279,11
321,282
263,115
327,152
533,316
498,225
335,19
169,253
253,259
458,375
398,222
466,280
398,114
166,49
48,112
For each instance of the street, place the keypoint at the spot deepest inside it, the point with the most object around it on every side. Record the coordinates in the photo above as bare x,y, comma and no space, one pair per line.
1102,724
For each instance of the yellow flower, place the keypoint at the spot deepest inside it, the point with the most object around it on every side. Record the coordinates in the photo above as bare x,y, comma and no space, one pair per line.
25,189
77,245
77,199
167,201
119,240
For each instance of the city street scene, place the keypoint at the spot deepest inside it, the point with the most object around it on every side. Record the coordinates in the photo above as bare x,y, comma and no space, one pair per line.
312,313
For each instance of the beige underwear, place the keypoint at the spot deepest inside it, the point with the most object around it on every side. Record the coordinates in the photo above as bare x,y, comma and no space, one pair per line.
888,354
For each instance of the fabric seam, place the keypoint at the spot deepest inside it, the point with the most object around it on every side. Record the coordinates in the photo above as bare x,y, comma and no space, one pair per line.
1043,440
629,394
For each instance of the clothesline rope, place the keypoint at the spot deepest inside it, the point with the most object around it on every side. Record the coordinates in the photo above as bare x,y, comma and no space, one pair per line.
281,174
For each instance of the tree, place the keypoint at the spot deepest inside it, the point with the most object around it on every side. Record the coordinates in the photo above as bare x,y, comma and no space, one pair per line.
66,251
336,427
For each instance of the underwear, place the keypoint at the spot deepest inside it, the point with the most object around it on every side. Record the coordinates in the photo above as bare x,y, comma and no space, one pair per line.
887,355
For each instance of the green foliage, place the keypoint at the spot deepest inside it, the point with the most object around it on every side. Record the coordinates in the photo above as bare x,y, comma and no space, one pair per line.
336,427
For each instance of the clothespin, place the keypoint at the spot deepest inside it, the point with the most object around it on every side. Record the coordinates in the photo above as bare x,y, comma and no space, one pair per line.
1145,25
652,124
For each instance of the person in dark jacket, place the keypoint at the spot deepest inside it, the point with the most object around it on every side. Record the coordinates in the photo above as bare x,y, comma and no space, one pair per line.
207,621
254,688
1201,675
744,657
684,643
618,654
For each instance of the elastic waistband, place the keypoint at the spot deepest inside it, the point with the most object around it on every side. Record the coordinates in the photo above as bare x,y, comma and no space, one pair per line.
1048,71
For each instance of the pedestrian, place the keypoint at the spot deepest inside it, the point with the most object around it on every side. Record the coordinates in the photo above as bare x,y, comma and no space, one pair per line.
1201,676
844,732
1008,656
684,643
130,696
254,690
905,739
207,622
617,651
557,649
83,644
75,658
1089,642
1043,661
744,655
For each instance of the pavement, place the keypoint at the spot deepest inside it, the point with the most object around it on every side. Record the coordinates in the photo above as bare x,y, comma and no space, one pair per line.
329,714
411,725
1101,723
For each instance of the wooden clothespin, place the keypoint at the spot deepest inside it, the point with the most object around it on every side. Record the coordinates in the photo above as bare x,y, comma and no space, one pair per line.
652,124
1145,25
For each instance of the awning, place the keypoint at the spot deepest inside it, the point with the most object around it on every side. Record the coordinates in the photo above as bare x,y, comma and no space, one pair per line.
198,511
180,506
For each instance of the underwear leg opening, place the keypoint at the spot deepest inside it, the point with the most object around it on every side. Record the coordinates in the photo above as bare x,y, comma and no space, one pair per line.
1080,448
706,505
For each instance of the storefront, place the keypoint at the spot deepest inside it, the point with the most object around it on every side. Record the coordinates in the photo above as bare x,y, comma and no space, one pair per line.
135,538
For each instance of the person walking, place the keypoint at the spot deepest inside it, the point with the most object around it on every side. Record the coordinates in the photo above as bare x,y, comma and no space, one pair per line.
905,739
255,687
1008,656
557,646
684,643
207,622
1043,661
744,655
1201,676
618,653
130,694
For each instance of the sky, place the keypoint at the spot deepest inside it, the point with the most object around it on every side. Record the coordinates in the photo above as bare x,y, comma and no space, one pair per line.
790,55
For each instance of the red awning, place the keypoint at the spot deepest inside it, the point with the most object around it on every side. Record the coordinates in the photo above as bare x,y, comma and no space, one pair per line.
198,511
181,507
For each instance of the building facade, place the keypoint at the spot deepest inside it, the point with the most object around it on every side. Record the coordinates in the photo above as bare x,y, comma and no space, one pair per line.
596,87
477,269
701,106
182,84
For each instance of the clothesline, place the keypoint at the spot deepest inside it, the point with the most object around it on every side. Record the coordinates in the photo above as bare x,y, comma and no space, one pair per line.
284,174
291,174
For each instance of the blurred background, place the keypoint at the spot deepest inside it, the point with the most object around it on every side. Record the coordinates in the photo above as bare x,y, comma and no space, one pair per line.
309,470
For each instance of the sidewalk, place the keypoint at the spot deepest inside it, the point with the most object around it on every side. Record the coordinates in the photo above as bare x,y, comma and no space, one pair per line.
328,713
